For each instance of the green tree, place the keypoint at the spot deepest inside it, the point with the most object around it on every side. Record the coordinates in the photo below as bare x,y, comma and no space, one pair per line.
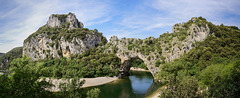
93,93
22,81
72,88
157,63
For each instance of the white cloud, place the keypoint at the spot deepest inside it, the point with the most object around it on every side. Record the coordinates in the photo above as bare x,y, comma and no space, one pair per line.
141,23
25,23
185,9
165,13
10,12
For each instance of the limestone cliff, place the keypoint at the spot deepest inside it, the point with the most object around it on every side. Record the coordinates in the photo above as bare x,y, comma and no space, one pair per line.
62,36
166,48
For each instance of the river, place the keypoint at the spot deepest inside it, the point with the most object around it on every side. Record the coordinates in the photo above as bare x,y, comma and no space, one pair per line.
138,85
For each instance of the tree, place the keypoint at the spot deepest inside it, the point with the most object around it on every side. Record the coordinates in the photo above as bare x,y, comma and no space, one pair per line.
72,88
188,88
157,63
93,93
22,81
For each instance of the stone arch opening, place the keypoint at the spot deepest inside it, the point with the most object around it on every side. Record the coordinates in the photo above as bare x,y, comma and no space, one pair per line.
137,64
126,64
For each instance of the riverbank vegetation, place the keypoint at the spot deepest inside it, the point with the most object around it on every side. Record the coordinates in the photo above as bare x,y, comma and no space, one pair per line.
212,69
25,73
23,81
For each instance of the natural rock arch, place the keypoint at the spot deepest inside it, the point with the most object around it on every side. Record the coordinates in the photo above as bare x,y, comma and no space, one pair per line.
171,47
127,56
126,63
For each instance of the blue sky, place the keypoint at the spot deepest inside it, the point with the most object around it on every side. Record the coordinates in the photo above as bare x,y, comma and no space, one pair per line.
123,18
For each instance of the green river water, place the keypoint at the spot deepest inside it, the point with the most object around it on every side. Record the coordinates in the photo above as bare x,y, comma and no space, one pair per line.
138,85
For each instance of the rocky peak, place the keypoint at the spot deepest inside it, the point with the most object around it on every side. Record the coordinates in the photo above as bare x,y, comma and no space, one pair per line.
113,38
58,20
194,19
176,27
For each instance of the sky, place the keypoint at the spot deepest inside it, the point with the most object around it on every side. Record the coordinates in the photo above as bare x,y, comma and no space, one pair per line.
122,18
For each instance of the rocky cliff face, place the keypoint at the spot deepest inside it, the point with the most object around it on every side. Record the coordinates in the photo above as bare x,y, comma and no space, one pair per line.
62,36
166,48
195,34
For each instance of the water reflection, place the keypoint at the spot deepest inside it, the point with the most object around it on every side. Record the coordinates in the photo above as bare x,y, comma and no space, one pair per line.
140,82
137,85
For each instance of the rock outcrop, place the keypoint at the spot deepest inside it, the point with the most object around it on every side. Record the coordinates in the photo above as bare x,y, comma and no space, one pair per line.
56,39
57,20
196,34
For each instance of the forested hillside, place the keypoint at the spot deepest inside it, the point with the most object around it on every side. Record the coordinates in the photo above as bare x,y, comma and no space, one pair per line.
211,69
91,63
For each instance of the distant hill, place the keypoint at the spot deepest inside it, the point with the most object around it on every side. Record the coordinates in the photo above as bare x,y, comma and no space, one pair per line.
1,54
5,59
